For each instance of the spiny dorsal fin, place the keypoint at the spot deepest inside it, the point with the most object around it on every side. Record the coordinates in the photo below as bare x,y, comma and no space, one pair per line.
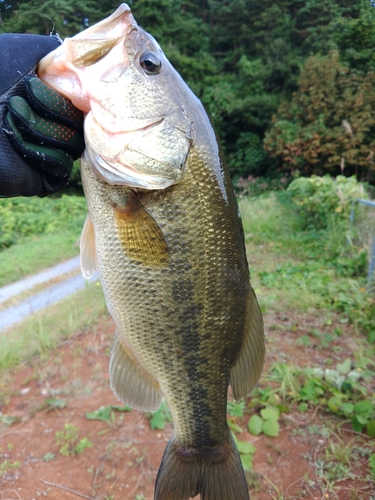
248,366
88,250
140,235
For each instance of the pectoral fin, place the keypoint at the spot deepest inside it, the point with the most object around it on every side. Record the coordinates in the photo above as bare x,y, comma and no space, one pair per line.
141,237
88,250
131,383
248,366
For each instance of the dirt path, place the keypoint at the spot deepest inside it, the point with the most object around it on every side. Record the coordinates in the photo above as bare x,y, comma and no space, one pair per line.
69,281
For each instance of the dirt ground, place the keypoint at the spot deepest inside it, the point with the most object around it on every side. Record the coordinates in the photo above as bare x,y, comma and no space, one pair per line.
125,454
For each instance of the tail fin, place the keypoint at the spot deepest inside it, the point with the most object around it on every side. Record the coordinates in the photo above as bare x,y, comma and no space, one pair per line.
215,474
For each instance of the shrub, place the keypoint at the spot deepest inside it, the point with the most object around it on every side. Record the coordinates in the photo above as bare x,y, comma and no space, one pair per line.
323,201
20,217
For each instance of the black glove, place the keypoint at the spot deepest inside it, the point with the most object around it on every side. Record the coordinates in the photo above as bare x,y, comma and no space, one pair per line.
41,132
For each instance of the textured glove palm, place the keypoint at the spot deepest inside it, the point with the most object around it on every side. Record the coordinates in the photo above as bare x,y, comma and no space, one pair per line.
40,131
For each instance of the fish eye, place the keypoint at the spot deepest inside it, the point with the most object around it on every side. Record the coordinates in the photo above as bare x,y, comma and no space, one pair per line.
150,63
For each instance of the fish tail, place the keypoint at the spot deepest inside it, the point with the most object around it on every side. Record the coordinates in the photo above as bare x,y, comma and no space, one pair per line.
214,474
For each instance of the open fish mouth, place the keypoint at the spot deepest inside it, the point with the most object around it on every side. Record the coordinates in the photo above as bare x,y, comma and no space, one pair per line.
133,157
136,141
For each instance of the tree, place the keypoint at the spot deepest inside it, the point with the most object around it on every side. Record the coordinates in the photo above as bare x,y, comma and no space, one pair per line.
329,127
66,17
355,39
242,58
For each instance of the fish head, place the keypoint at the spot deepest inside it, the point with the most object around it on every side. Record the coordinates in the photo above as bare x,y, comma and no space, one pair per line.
137,130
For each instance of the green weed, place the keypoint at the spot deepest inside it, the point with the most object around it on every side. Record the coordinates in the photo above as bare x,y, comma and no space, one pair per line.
342,390
21,217
371,462
69,442
37,233
8,419
255,186
56,403
246,451
236,408
107,414
323,201
267,422
49,456
160,417
7,465
302,265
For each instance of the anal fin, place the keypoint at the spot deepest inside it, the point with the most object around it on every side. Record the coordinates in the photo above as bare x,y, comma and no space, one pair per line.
247,368
131,383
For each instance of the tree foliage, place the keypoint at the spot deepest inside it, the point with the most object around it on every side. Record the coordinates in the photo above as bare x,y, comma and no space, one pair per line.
329,126
66,17
243,58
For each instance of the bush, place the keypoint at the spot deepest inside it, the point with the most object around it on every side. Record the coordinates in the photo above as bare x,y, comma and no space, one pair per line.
324,201
20,217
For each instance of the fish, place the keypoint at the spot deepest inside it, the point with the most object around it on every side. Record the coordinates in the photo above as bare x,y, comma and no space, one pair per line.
164,231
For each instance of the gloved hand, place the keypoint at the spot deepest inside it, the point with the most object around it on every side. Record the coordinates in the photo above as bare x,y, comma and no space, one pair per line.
41,132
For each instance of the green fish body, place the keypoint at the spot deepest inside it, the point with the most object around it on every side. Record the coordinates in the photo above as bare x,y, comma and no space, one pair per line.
169,247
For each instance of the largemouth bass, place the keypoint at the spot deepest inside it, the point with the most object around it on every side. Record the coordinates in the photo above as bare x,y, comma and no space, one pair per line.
165,234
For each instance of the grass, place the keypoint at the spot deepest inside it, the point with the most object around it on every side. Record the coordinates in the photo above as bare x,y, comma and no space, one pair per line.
269,220
37,233
273,240
42,332
36,253
305,269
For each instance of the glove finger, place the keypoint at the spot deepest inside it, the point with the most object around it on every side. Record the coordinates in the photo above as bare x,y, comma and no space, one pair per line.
51,104
54,165
20,53
40,130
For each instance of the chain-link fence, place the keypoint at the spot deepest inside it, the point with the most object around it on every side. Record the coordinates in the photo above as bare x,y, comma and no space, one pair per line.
362,220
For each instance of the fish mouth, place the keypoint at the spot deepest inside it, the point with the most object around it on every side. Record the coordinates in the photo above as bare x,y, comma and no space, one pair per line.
59,69
132,156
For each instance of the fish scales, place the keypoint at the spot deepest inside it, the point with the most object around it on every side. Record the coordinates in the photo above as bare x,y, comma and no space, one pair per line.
165,234
182,315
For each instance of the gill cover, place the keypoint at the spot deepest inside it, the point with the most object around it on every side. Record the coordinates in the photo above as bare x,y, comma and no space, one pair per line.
137,131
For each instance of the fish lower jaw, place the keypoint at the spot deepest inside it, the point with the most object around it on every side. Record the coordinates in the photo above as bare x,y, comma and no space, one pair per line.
127,176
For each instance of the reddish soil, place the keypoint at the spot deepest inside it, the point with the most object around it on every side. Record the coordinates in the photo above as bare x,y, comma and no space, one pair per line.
126,453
